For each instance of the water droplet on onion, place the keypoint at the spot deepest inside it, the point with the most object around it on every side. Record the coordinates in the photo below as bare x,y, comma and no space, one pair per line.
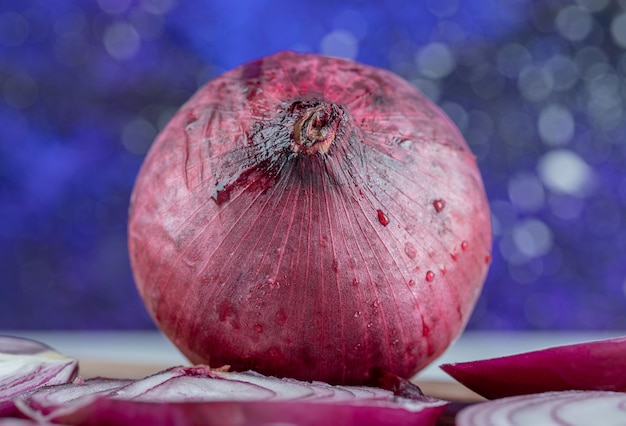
409,250
382,218
439,204
430,275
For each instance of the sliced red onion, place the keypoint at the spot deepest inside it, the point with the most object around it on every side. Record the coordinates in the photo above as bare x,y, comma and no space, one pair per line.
27,364
43,401
565,408
595,365
197,395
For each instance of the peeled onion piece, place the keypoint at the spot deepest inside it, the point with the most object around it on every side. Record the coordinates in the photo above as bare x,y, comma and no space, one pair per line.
310,217
27,364
198,396
594,365
565,408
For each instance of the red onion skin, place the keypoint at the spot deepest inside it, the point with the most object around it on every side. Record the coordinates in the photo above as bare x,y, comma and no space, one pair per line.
310,217
594,365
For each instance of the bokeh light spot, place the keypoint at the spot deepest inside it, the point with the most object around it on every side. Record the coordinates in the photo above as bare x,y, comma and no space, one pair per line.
14,29
340,43
563,71
435,60
564,171
137,136
430,88
121,40
555,125
532,237
511,59
148,25
574,23
594,5
618,30
457,114
526,192
535,83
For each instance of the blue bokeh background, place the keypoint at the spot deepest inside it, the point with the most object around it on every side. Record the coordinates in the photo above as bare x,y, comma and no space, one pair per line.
538,88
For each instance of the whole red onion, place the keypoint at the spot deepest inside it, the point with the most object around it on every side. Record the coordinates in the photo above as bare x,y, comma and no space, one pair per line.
310,217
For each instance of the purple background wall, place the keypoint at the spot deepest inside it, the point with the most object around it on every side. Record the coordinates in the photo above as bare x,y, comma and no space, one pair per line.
537,87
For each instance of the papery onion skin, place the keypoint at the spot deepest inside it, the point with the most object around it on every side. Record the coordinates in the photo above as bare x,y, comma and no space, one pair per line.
310,217
592,365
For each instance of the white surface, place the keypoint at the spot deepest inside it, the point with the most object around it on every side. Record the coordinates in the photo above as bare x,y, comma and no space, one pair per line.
145,347
150,347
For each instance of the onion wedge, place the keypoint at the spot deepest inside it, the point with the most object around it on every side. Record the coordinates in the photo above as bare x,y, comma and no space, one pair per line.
566,408
27,364
594,365
199,396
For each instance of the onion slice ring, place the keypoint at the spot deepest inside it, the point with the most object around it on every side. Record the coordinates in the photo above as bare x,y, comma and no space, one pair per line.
27,364
565,408
593,365
200,396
